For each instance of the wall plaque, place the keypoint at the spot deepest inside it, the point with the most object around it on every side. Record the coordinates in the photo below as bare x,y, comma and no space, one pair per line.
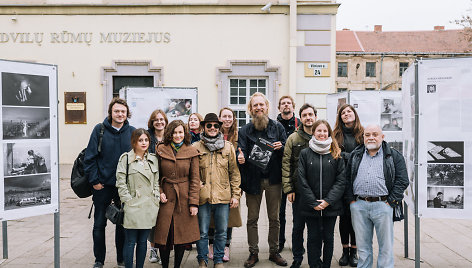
75,108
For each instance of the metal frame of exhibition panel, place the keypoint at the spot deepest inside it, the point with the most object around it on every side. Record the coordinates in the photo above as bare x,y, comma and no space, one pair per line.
29,131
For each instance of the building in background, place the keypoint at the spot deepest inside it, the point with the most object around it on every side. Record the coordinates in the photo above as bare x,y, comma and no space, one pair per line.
228,49
376,60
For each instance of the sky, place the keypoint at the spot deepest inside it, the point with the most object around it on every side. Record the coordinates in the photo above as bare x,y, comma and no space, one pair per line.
400,15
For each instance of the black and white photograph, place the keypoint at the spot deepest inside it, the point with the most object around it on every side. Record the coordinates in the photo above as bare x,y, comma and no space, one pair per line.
430,88
25,90
397,145
261,153
26,158
445,174
178,107
391,117
27,191
445,151
25,123
446,197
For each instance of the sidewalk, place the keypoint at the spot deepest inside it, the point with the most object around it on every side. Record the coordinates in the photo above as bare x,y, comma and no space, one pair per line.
444,242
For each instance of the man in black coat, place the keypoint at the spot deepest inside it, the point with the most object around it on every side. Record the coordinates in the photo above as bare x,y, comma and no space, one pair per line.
255,180
377,178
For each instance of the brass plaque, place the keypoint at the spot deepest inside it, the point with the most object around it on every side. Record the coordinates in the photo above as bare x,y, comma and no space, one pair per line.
75,108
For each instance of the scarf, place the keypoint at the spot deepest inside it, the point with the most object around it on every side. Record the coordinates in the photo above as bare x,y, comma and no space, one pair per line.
214,143
320,147
176,146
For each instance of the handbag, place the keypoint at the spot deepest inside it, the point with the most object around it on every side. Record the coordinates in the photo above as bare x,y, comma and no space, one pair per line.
115,212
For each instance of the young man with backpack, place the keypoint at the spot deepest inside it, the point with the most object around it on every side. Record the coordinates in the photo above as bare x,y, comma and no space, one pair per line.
100,168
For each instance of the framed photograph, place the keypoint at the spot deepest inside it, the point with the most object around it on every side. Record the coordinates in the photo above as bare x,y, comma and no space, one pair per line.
25,89
27,191
445,174
26,158
25,123
445,197
445,152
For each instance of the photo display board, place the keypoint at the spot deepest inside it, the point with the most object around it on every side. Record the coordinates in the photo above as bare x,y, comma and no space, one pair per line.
445,138
383,108
176,102
29,138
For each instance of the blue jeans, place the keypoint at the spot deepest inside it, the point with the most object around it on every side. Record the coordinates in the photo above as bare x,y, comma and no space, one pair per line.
136,237
220,217
101,199
365,217
320,238
297,231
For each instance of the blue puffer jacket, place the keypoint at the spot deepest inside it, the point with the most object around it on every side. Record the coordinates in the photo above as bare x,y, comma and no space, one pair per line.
394,168
101,168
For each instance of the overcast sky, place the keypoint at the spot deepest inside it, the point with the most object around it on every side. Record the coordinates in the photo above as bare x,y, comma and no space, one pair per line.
400,15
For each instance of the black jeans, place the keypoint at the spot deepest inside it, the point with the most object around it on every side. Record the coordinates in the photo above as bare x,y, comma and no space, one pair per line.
346,230
297,232
101,199
320,235
283,221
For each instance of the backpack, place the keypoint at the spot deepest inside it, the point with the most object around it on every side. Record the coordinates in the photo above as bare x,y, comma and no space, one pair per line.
78,180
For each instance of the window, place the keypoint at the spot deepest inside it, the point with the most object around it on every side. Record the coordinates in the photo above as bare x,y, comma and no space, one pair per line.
240,90
370,69
342,69
120,82
369,88
342,89
403,67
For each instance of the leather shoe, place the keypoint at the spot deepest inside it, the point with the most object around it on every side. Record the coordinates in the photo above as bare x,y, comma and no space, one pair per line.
251,261
275,257
296,264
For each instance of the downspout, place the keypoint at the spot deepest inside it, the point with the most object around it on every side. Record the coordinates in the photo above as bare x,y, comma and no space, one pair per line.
381,67
292,90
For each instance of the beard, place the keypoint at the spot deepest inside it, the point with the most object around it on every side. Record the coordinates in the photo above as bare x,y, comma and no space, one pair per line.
372,146
260,121
286,112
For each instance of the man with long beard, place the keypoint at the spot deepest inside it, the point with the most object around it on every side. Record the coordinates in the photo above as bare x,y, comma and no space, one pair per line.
255,180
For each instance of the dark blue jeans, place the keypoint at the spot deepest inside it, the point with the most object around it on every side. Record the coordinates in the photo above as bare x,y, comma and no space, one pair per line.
297,232
101,200
283,221
136,237
220,216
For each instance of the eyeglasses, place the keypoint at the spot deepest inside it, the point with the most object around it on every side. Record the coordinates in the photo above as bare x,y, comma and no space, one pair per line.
215,125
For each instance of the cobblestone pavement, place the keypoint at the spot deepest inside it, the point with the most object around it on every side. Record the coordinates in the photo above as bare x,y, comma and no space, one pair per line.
444,242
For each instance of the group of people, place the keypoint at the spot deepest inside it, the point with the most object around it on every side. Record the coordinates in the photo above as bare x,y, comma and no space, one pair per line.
181,184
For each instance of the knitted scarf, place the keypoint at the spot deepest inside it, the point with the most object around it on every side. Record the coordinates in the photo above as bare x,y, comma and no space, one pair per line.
320,147
214,143
176,146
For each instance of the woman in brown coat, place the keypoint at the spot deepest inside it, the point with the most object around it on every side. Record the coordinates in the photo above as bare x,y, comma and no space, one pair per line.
177,224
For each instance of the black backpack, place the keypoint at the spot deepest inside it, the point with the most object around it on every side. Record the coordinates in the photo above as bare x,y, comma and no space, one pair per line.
78,180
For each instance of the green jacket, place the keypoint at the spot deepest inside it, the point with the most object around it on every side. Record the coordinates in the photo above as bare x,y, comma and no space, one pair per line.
294,145
141,195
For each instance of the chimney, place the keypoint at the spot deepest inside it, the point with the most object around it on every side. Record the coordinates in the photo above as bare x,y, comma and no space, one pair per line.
439,28
377,28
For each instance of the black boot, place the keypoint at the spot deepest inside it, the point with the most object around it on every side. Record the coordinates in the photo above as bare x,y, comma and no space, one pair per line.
164,257
353,257
344,260
178,255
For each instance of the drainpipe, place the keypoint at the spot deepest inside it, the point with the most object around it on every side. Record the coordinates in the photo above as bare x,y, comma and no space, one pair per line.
381,67
293,50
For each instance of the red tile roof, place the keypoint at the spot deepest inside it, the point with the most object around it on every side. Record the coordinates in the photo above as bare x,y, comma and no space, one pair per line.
448,41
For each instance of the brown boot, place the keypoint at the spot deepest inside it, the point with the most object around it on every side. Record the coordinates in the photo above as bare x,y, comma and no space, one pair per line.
251,261
202,264
275,257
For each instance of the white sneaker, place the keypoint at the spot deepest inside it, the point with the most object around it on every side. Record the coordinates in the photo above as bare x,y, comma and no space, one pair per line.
153,257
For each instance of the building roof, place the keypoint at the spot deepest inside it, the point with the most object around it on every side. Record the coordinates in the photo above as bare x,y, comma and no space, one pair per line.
437,41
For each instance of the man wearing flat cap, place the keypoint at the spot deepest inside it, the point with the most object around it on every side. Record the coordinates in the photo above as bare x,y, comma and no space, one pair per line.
220,180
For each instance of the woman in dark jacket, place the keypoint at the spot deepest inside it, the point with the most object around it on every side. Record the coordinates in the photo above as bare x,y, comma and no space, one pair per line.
156,125
321,183
194,127
177,223
348,132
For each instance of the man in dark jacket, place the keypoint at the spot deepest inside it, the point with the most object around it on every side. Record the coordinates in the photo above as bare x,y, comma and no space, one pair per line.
255,180
100,168
290,122
294,145
377,178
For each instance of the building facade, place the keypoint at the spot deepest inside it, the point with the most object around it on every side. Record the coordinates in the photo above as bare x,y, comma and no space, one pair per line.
226,49
376,60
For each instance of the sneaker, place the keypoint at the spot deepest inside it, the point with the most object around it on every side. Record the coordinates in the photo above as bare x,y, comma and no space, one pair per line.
121,264
98,265
210,252
153,257
226,255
